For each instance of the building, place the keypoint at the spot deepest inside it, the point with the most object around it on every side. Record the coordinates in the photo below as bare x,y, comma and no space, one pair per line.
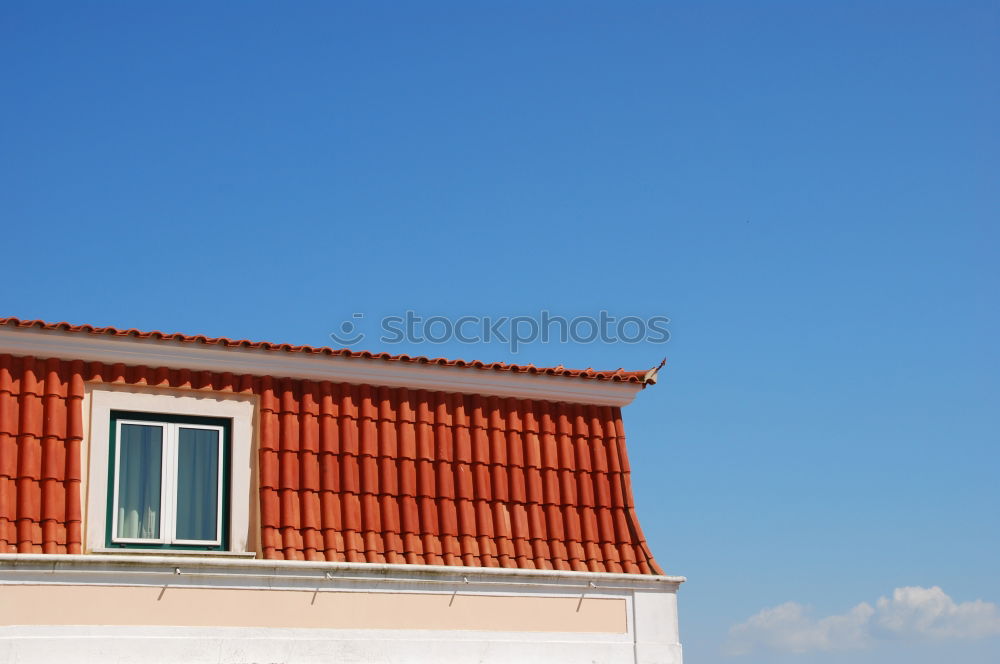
174,498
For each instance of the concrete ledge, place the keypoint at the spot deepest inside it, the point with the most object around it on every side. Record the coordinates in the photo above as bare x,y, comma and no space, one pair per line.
152,564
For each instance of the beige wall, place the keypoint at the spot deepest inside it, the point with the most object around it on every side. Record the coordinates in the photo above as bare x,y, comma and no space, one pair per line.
220,607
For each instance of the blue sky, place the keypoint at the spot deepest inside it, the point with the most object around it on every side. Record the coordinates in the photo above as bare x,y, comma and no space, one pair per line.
809,191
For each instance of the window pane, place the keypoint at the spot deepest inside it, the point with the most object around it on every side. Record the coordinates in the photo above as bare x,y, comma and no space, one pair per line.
197,484
139,472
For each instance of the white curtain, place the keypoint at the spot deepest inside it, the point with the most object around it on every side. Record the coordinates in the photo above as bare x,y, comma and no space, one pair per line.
197,484
139,472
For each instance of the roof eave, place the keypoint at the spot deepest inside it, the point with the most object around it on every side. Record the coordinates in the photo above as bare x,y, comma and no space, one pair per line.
179,355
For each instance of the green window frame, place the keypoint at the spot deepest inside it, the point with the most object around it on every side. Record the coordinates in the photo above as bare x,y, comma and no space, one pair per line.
155,445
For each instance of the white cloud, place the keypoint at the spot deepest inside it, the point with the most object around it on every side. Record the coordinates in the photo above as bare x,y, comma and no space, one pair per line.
929,612
789,628
912,613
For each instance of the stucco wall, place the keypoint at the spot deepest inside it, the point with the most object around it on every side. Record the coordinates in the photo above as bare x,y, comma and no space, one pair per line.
225,607
116,608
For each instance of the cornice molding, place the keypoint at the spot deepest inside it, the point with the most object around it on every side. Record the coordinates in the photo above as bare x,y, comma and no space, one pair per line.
52,564
282,364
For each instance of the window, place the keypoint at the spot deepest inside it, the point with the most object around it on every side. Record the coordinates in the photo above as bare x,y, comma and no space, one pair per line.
235,413
168,481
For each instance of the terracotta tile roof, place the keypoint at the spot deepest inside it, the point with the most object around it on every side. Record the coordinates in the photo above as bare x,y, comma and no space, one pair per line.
376,474
643,377
41,427
356,472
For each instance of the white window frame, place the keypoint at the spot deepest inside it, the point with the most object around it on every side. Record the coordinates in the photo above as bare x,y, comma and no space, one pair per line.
101,399
170,438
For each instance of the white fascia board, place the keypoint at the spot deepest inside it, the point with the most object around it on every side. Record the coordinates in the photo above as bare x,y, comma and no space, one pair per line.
283,364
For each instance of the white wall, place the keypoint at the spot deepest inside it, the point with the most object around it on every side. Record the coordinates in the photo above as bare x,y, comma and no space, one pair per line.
103,608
